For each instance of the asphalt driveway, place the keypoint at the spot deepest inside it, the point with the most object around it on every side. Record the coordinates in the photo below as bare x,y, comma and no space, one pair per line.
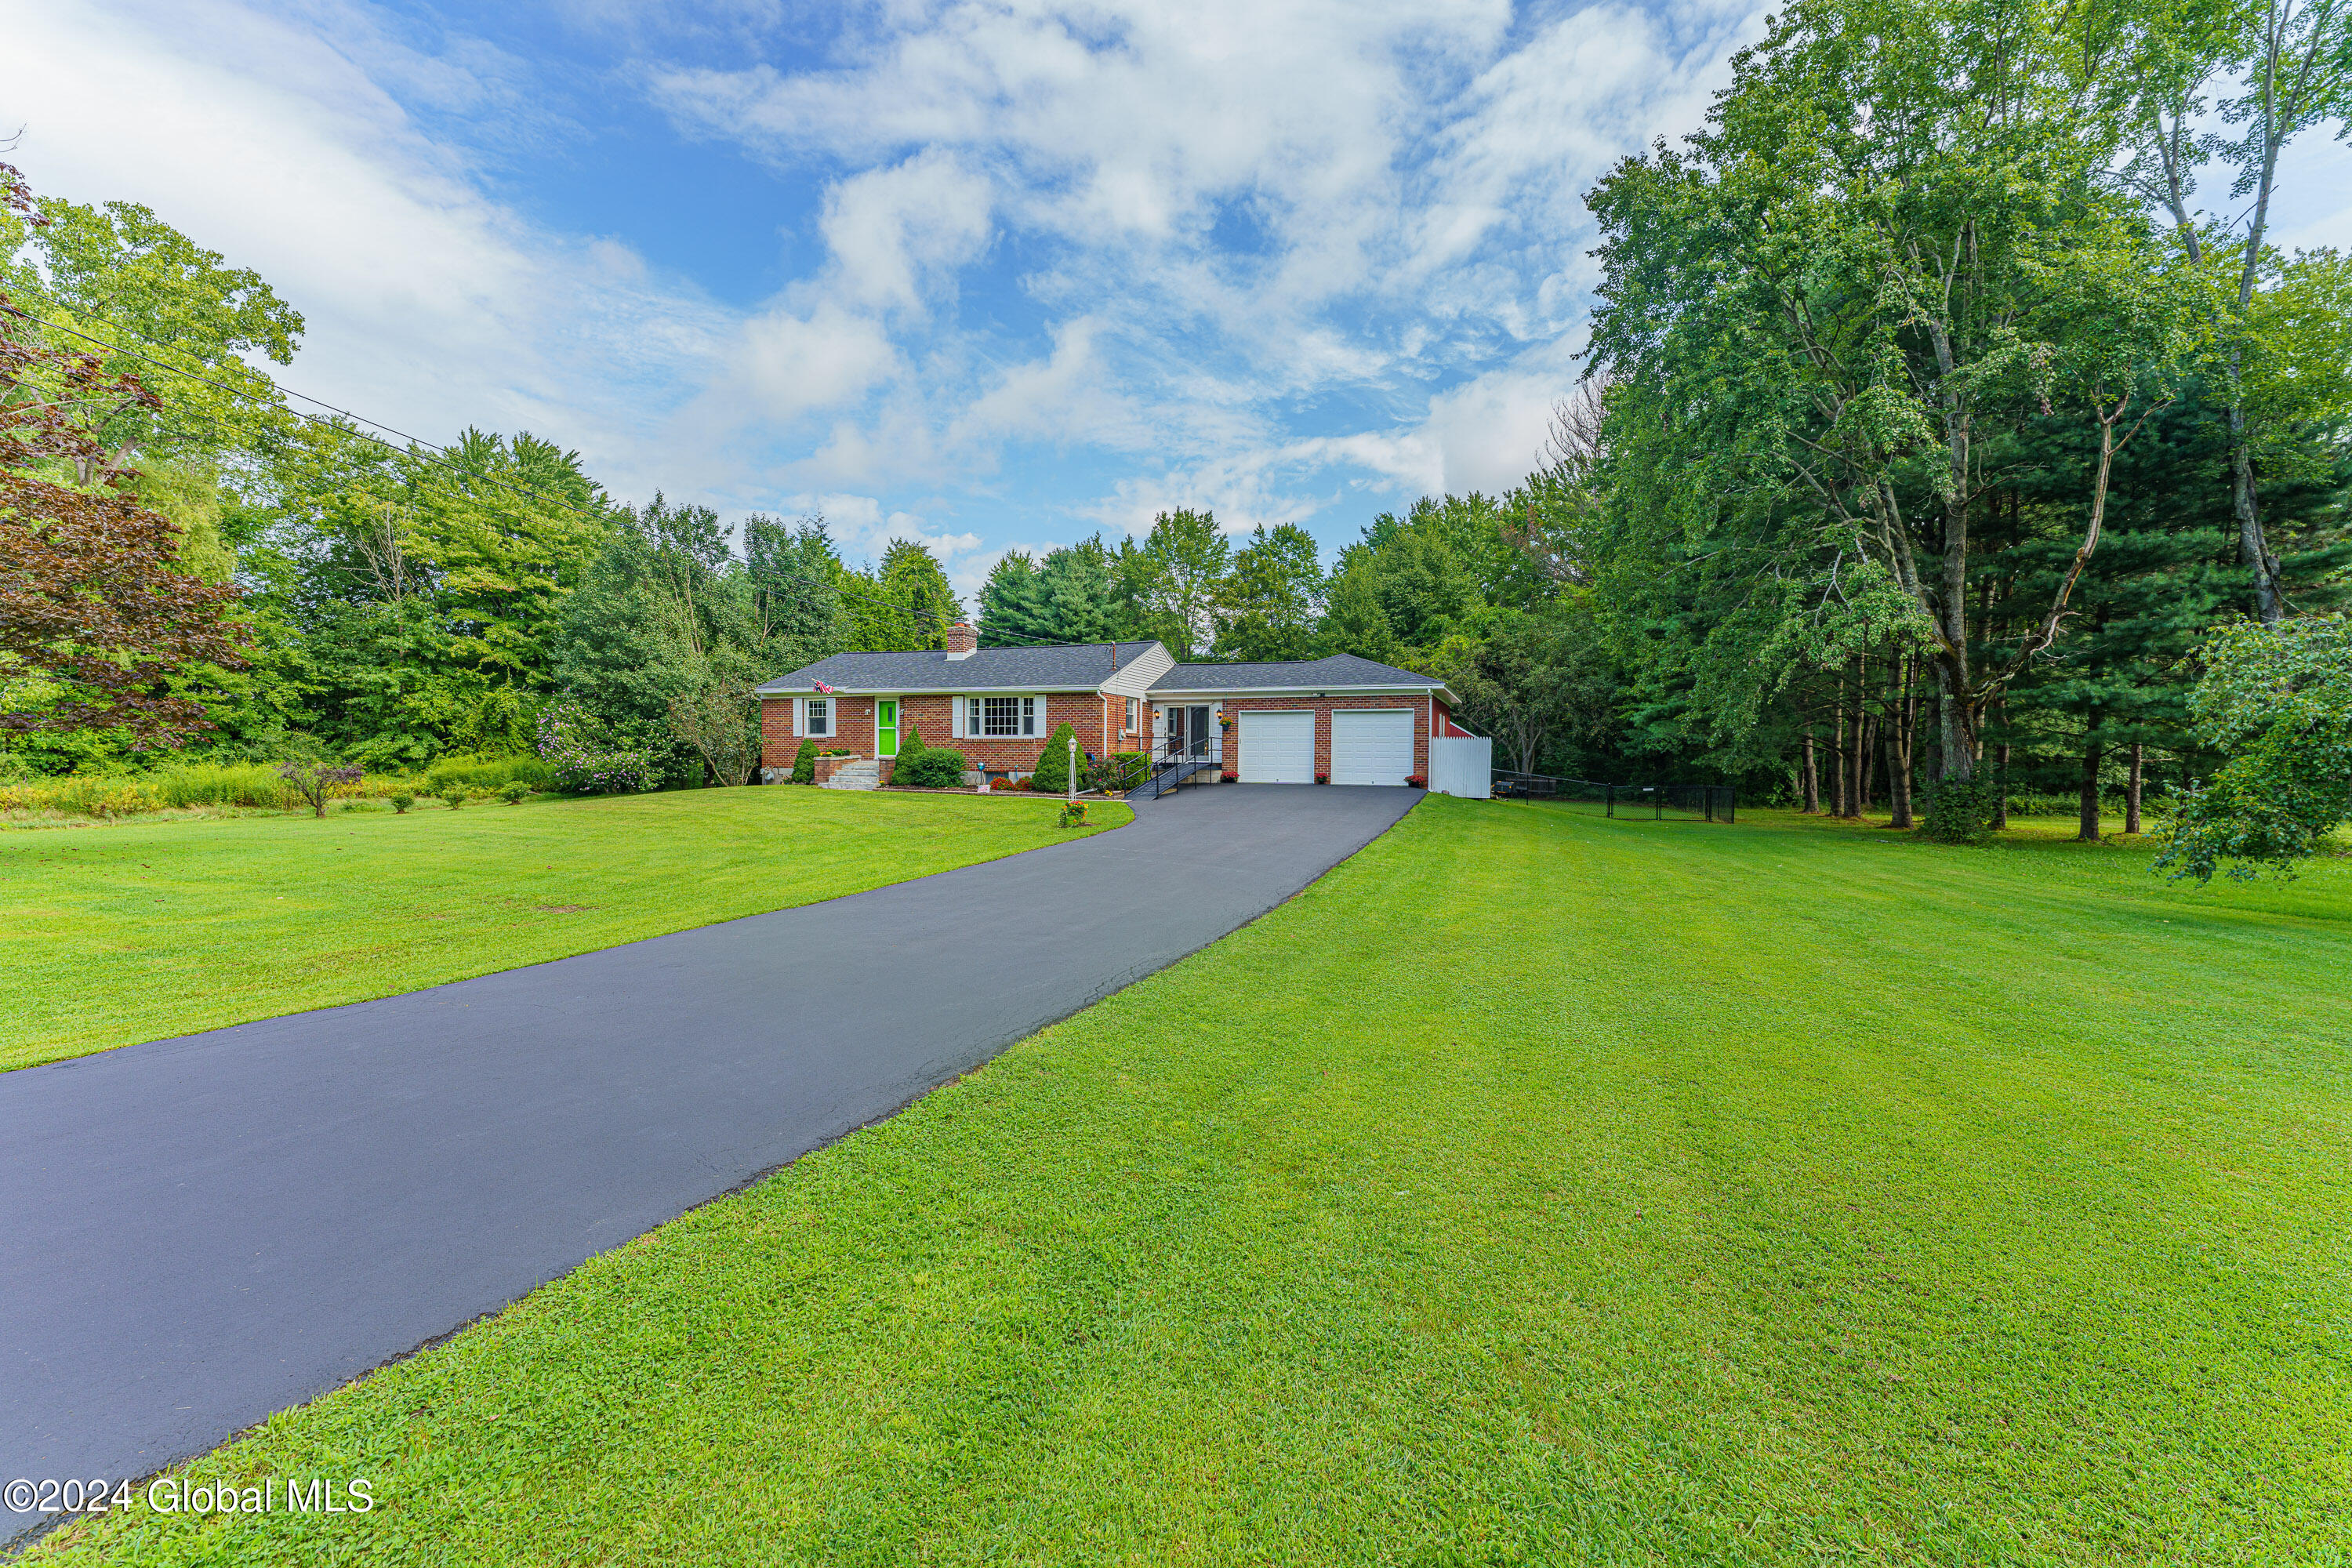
197,1232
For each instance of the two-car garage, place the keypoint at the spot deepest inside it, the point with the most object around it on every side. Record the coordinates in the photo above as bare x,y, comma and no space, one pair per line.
1368,745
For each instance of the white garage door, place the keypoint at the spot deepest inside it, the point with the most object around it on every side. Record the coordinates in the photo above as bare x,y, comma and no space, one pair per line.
1277,748
1371,746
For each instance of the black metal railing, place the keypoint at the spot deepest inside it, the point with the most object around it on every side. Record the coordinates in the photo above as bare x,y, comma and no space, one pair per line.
1685,802
1175,764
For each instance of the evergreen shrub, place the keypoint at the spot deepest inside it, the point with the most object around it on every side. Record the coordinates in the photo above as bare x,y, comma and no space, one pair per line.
1053,774
805,763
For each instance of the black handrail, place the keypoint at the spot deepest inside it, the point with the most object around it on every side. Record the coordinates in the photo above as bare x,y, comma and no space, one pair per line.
1176,764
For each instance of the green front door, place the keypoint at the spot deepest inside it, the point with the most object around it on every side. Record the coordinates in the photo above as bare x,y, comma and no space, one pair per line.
886,727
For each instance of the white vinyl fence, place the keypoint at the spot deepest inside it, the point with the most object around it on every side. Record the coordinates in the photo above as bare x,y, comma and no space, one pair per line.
1462,765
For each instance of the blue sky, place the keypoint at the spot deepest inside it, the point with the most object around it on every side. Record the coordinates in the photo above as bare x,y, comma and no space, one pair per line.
992,275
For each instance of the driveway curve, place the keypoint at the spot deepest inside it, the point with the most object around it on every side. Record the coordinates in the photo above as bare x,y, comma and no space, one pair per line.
200,1231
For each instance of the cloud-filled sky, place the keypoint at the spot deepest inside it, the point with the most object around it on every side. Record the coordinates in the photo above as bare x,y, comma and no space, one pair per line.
989,273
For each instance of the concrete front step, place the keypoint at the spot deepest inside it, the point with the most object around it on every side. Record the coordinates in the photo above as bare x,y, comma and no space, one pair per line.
863,773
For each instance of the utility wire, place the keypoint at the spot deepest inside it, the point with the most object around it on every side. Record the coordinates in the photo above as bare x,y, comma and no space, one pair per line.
448,457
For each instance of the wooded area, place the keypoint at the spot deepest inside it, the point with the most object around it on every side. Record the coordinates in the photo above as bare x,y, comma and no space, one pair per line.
1944,395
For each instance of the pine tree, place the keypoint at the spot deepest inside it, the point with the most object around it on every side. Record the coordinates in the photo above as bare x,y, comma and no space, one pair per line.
1013,604
1076,582
905,605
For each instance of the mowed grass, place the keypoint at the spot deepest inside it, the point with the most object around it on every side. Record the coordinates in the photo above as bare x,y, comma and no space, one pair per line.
112,935
1532,1189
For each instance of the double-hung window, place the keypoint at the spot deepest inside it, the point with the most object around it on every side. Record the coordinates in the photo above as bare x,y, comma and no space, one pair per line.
1130,715
820,717
989,716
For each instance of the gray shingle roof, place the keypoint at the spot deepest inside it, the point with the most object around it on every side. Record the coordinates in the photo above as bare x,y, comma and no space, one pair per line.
1337,672
1080,666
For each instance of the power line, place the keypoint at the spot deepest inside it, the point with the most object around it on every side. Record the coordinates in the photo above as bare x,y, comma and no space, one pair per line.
448,457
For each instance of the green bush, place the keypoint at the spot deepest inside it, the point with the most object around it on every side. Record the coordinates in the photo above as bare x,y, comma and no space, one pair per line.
933,767
490,774
1959,811
515,792
455,793
185,784
1074,815
402,801
1053,775
1119,771
805,763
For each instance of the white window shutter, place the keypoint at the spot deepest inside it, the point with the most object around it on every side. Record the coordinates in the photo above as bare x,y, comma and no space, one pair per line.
799,714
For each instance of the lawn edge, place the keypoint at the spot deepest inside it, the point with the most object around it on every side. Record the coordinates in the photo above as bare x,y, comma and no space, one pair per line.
15,1548
1088,832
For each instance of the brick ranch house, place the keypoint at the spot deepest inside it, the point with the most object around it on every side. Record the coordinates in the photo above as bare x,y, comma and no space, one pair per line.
1350,719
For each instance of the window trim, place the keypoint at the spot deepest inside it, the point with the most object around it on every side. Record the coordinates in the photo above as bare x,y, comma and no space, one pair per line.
808,724
1030,716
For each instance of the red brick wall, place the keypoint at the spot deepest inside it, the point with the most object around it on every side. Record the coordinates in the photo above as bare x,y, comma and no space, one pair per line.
1235,706
1098,720
853,731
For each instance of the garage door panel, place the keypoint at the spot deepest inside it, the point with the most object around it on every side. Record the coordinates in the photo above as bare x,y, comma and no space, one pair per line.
1372,745
1277,748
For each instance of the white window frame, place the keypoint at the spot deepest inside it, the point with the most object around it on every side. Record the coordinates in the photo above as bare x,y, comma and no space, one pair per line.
1029,716
1131,717
809,726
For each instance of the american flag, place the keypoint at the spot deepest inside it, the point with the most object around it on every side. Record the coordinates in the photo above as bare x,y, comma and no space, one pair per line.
821,686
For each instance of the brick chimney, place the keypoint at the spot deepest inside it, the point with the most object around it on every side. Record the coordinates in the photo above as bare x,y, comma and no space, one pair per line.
961,640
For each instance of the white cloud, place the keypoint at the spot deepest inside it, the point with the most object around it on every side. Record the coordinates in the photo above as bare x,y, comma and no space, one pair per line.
427,305
897,234
790,365
1232,206
1077,261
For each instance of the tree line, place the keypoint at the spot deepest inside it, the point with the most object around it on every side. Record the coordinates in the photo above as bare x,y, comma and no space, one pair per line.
1949,415
389,603
1939,423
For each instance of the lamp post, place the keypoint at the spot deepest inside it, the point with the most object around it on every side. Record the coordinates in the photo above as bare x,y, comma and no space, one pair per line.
1073,767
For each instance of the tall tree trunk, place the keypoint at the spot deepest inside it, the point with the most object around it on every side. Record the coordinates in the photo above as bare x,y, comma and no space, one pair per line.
2091,756
1857,758
2001,768
2131,791
1837,755
1812,780
2245,506
1874,757
1903,706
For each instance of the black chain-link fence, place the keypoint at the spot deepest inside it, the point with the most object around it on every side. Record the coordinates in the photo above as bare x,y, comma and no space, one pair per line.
1658,801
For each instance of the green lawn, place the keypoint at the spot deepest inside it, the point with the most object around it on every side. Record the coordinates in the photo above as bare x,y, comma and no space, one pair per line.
109,935
1534,1188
